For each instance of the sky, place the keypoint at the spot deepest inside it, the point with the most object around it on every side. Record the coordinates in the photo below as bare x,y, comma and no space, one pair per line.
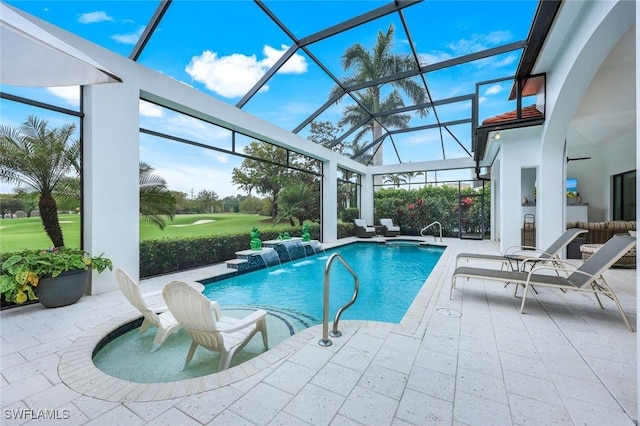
223,47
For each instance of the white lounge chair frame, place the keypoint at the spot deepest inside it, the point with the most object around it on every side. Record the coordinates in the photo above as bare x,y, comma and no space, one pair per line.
202,320
551,253
587,277
154,314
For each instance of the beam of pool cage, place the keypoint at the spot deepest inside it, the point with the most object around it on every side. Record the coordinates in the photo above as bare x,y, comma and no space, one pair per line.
325,315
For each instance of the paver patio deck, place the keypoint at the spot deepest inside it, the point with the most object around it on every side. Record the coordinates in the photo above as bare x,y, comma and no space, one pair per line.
565,361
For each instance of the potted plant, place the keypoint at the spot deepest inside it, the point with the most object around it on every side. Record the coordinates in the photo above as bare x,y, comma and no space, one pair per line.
56,277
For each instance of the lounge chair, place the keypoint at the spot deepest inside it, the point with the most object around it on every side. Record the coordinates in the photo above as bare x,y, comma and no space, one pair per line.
521,253
587,277
155,314
362,230
388,228
201,319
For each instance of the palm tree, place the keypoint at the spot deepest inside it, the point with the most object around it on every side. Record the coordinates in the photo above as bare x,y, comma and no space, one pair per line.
356,148
156,200
39,157
396,180
295,201
354,114
378,63
411,175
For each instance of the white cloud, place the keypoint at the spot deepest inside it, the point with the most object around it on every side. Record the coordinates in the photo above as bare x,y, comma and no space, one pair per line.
131,38
478,42
195,130
70,94
219,157
433,57
232,76
93,17
185,177
148,109
296,64
494,90
504,62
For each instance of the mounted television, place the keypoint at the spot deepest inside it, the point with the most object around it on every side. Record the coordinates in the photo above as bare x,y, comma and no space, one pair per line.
572,187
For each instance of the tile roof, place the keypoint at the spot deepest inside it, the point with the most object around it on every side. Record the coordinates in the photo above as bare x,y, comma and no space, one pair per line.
527,112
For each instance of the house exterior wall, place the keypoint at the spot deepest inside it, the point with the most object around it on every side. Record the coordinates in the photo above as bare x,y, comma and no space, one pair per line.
571,58
519,149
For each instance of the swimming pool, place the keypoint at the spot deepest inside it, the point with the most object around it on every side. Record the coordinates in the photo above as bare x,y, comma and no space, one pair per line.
390,277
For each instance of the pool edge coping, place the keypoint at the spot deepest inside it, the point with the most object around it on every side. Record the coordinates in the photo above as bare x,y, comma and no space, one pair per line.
77,370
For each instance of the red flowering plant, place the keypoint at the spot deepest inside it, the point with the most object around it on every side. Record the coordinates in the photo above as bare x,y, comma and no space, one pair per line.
417,214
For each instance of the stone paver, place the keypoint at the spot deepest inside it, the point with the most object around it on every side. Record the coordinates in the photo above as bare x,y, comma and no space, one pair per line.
565,361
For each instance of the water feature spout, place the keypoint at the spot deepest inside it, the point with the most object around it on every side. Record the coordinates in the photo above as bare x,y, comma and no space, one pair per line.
270,258
317,248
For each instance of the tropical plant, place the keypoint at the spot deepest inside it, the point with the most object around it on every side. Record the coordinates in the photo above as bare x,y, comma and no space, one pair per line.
156,201
360,152
21,272
411,175
370,66
396,180
40,157
296,201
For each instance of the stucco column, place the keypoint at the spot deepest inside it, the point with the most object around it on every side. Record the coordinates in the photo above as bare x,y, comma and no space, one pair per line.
552,197
110,179
366,199
520,148
329,201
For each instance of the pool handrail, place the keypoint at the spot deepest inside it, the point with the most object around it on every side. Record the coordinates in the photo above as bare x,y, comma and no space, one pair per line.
325,315
429,226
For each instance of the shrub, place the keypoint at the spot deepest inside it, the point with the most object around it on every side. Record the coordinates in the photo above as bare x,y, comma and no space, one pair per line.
348,215
158,257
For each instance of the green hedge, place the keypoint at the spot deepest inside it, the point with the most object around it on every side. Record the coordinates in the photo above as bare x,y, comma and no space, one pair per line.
348,215
158,257
414,209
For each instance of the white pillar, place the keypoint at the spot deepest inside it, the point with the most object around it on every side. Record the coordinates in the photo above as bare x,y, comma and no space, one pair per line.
520,148
495,202
329,201
509,207
110,179
552,198
366,199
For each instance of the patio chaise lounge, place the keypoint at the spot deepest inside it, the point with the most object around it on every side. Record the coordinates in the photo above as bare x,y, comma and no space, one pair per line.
201,319
587,277
388,228
525,252
362,230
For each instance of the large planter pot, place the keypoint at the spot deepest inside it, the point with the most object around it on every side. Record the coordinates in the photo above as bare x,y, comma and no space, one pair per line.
65,289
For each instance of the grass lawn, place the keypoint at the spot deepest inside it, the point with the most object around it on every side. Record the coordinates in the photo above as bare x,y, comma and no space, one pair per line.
28,233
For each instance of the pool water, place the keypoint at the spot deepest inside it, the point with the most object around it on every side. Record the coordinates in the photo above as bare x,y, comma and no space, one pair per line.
390,277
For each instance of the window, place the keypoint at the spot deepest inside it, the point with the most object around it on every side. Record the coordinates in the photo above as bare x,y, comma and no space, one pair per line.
624,196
